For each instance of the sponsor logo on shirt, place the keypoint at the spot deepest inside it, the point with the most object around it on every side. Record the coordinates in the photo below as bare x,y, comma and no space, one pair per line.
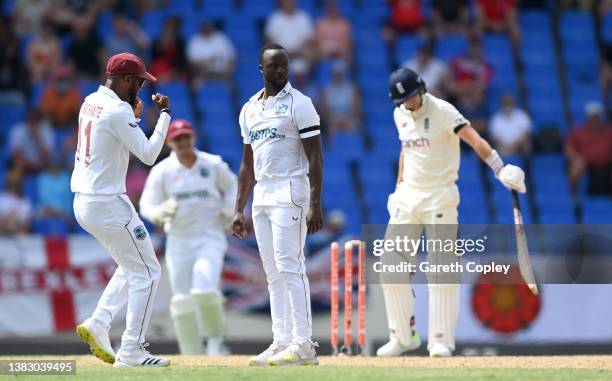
185,195
140,232
426,124
266,133
416,143
133,125
204,172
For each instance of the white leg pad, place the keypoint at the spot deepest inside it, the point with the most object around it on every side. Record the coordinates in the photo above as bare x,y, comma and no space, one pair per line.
185,319
443,314
399,302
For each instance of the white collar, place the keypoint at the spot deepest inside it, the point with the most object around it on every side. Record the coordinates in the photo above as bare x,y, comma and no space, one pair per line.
108,91
285,90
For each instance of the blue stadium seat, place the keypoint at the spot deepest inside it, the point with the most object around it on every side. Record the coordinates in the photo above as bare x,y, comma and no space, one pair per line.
557,216
534,21
151,22
597,210
407,48
576,26
258,9
606,28
30,188
450,46
51,226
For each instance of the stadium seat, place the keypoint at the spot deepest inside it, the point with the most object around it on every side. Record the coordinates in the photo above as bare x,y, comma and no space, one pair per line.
597,210
450,46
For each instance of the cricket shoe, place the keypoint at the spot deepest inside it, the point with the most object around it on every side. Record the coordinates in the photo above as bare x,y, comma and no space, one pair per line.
440,350
395,348
216,347
296,354
262,358
139,357
97,338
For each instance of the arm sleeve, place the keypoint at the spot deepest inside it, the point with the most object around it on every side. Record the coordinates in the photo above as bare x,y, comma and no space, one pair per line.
129,134
306,118
153,193
454,121
244,131
228,185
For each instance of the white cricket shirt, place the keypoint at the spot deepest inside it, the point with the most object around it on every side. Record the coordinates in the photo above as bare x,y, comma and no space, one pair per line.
108,132
203,192
274,129
430,143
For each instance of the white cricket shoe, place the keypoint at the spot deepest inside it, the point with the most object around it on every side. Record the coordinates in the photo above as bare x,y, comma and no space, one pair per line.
440,350
296,354
139,357
97,338
216,347
262,358
394,348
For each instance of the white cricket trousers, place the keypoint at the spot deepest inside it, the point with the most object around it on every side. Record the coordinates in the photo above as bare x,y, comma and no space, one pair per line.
281,234
113,221
195,263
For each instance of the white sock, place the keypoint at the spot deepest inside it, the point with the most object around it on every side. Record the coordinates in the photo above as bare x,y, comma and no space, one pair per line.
443,314
399,302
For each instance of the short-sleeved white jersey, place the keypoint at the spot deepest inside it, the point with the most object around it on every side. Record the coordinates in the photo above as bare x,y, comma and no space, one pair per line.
203,192
108,132
430,143
274,129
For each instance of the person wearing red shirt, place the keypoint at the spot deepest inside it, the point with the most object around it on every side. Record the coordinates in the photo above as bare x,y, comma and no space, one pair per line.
498,16
589,151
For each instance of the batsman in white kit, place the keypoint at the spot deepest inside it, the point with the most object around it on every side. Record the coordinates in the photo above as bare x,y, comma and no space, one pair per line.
108,132
426,197
282,164
192,194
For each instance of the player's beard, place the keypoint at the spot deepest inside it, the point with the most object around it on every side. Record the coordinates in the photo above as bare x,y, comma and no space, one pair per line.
133,96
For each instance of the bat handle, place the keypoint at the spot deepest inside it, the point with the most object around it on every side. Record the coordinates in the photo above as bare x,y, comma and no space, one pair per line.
515,200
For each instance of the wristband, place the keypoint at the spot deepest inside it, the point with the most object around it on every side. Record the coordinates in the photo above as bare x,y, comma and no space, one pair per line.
165,109
495,162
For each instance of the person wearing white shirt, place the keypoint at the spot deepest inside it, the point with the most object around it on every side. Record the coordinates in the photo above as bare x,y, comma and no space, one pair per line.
426,198
192,193
290,27
510,128
211,53
108,133
282,164
434,71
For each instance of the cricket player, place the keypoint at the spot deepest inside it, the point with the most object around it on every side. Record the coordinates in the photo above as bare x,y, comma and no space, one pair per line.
282,164
192,193
108,132
426,196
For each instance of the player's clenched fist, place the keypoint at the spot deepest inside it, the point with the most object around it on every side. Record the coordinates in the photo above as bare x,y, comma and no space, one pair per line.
238,226
138,106
161,101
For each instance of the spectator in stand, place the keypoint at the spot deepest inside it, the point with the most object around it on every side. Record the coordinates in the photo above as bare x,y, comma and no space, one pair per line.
334,34
28,15
31,142
85,51
498,16
300,79
61,99
126,37
510,129
13,74
15,210
293,29
54,196
589,151
169,62
450,17
471,75
406,17
432,70
340,102
43,52
211,54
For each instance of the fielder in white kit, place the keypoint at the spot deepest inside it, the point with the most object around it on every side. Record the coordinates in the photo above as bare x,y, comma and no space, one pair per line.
426,196
192,193
108,132
282,154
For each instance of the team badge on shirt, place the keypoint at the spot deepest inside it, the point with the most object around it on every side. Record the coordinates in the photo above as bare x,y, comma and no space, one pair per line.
281,109
426,124
204,172
140,232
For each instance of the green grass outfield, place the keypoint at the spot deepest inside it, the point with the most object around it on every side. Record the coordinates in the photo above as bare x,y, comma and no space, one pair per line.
232,368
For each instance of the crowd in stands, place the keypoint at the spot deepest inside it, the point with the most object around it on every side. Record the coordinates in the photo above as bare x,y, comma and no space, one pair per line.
535,98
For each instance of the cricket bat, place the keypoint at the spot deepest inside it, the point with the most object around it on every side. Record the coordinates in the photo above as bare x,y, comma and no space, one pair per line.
524,259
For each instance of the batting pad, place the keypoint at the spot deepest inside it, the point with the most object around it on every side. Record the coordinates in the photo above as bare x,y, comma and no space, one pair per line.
399,302
211,311
185,319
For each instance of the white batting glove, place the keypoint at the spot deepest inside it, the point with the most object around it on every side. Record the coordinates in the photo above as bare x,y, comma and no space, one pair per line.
164,212
512,177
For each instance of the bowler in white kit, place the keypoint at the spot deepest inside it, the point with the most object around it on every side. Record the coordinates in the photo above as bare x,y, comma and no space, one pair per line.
108,133
426,196
282,164
192,194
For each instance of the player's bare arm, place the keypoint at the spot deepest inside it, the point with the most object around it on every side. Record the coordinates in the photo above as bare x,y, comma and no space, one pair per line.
511,176
312,147
246,182
400,168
